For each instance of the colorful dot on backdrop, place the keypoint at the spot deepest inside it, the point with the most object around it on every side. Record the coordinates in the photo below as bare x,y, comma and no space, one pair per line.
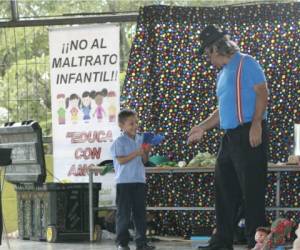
289,183
181,190
187,223
197,190
173,88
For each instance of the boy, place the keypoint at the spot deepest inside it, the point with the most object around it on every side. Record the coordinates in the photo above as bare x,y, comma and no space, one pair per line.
129,158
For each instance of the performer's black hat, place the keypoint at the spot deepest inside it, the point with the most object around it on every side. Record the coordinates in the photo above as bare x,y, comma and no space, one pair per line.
209,35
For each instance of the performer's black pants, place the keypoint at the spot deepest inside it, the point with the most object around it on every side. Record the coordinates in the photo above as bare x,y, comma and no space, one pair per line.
241,173
131,200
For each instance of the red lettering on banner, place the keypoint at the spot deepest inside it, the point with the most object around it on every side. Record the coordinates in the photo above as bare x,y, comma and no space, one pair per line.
87,153
90,136
81,170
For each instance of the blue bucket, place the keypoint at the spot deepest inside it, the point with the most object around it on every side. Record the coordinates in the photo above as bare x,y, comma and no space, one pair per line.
199,241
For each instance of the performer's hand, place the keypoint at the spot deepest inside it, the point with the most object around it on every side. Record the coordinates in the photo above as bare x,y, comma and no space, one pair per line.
255,134
195,134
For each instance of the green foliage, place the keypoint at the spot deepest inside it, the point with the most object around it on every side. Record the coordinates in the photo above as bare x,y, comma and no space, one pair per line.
42,8
25,86
202,160
5,9
51,8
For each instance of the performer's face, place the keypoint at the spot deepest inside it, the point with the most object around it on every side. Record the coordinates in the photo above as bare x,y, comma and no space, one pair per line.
213,56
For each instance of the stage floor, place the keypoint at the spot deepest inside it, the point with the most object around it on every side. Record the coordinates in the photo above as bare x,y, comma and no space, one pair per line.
104,245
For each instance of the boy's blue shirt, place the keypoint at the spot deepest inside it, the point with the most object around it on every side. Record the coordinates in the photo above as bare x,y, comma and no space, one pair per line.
252,74
134,170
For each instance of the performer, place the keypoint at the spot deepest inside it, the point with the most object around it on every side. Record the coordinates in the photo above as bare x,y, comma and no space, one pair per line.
241,167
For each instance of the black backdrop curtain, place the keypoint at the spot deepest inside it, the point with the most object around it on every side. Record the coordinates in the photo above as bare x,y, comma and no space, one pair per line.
173,88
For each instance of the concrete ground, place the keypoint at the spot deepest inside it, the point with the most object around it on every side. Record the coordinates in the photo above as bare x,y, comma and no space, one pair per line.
16,244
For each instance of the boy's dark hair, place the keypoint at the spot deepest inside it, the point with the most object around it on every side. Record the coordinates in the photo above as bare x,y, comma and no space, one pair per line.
124,114
263,229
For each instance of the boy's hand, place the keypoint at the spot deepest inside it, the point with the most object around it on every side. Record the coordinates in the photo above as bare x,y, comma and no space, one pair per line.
140,152
146,148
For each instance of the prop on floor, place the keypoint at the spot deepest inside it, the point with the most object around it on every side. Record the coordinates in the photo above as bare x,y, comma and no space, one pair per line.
280,232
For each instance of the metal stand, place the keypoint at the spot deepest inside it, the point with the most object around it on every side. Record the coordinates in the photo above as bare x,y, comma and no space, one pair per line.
272,168
91,212
91,172
4,232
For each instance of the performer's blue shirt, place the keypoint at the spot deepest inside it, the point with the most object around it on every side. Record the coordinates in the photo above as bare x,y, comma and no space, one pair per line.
252,74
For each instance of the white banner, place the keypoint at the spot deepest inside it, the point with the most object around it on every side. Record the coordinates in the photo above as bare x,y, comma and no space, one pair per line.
84,66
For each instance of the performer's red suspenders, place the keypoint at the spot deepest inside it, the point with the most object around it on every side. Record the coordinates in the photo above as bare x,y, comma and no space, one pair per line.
239,92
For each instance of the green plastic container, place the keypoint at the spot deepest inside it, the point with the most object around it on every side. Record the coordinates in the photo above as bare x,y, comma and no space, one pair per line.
158,159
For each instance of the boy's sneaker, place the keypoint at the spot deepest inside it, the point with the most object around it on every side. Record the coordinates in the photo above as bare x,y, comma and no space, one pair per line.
123,248
145,247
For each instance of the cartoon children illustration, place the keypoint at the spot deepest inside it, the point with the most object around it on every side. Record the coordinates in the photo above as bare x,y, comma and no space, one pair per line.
61,111
100,112
73,103
112,108
86,106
